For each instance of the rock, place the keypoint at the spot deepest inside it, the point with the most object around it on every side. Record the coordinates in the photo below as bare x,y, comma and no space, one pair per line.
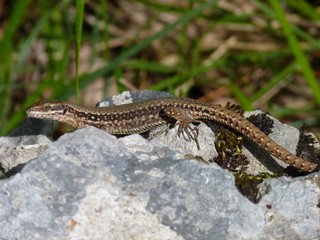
18,149
91,185
289,205
164,135
168,137
130,97
283,134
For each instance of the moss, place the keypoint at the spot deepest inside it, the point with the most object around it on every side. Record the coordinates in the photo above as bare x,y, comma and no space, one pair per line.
306,148
263,122
229,146
248,184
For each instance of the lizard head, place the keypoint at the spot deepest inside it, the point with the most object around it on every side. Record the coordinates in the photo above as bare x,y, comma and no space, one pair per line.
45,109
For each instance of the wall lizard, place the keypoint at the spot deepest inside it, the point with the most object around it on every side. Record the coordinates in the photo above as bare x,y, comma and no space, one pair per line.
143,116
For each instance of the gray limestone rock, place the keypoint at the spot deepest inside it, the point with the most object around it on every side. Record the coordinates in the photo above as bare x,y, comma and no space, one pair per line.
283,134
16,151
91,185
130,97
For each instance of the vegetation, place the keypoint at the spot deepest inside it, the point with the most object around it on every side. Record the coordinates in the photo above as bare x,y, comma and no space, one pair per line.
262,54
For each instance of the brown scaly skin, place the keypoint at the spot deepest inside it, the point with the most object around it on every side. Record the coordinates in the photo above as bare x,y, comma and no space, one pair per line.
142,116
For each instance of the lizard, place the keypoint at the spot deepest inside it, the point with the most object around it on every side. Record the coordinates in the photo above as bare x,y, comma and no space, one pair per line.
140,117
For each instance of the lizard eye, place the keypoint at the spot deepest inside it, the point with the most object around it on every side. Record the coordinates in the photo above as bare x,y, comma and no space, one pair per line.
64,111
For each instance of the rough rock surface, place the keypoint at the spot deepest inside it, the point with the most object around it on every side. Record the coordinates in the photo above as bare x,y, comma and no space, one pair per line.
91,185
24,144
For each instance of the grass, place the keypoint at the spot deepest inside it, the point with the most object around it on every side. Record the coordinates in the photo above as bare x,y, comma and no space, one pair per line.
78,32
263,54
300,57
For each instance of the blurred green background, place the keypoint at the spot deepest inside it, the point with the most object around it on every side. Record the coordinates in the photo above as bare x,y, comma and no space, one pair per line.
260,54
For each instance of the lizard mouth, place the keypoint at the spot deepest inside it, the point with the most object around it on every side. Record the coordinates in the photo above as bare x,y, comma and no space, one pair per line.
37,114
31,113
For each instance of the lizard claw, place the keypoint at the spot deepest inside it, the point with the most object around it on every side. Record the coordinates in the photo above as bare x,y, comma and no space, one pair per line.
188,132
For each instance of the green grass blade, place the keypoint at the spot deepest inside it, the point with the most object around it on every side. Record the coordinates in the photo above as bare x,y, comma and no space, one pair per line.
297,51
274,81
305,8
13,23
26,46
6,58
106,35
78,26
245,102
104,71
149,66
177,79
271,13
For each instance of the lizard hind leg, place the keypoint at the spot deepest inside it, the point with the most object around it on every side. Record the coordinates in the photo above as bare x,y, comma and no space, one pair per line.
184,119
235,108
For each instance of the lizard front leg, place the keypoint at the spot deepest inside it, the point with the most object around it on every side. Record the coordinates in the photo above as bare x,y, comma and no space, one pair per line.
184,119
